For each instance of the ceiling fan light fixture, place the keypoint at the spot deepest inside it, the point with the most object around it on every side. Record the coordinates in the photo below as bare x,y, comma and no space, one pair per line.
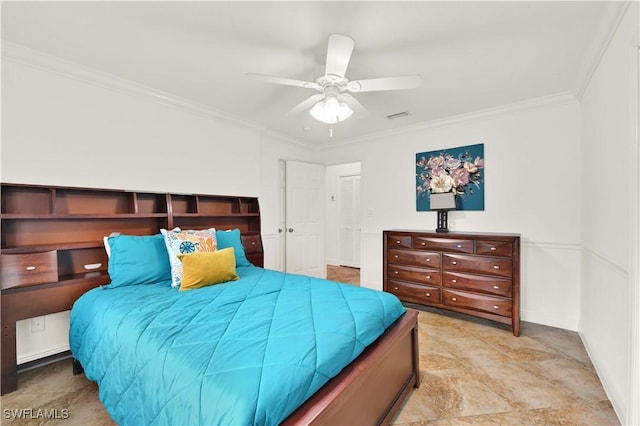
331,110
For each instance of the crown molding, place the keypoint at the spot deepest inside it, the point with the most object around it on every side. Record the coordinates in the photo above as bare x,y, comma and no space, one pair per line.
81,73
556,99
286,138
609,25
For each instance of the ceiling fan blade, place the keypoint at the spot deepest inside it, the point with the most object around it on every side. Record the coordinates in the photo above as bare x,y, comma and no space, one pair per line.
306,104
388,83
354,104
338,54
286,81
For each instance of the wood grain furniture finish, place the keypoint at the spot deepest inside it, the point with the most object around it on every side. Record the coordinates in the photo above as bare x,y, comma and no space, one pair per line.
473,273
59,231
52,248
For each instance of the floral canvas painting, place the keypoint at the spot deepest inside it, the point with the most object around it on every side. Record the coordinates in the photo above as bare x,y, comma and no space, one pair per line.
459,170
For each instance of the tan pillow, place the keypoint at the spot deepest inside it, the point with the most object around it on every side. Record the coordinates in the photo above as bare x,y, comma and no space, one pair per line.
207,268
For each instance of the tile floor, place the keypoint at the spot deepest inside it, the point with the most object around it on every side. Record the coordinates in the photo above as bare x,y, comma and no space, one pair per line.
473,371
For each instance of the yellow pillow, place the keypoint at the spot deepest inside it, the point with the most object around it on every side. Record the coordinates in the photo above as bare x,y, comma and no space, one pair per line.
207,268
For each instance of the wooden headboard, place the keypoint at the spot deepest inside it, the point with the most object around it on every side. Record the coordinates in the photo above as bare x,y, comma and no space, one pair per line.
52,243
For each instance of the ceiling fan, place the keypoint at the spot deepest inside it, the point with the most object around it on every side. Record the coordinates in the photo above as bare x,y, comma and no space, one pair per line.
335,103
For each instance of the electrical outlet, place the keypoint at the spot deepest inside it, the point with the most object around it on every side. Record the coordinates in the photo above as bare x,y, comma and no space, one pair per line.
37,325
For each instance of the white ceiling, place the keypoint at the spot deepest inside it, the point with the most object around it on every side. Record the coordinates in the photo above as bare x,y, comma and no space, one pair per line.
471,55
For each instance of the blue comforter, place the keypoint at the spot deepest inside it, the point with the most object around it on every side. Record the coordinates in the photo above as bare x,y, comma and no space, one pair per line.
245,352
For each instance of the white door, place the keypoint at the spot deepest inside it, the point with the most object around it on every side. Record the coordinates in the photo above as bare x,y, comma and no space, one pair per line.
282,218
349,220
305,219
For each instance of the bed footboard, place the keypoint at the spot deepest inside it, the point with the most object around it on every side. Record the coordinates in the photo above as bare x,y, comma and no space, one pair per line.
373,387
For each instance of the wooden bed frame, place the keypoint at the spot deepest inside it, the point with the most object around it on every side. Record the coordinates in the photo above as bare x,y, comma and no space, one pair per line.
52,253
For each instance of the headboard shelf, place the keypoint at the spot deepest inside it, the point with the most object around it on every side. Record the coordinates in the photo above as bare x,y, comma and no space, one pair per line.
58,216
52,249
54,246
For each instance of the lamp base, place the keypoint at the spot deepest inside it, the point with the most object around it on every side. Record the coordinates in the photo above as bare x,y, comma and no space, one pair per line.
442,221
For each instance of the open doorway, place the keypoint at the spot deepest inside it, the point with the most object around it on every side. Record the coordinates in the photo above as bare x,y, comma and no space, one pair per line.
343,219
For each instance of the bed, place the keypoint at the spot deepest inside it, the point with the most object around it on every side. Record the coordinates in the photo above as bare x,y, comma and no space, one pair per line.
249,351
53,254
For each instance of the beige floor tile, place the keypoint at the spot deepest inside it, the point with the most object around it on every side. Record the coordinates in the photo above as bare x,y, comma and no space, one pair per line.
459,392
475,352
522,348
524,390
567,374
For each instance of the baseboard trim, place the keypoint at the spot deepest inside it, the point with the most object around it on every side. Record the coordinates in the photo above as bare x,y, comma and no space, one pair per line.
46,360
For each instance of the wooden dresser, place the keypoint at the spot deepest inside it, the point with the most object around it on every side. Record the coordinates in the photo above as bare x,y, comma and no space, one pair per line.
473,273
52,248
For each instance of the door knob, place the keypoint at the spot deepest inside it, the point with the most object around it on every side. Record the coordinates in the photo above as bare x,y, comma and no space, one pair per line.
290,229
279,230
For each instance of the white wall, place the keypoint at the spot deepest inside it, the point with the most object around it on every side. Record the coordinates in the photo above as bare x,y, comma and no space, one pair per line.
58,129
61,131
532,188
609,155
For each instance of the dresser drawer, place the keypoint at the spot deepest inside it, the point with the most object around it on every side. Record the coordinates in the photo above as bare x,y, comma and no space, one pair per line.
398,241
444,244
414,257
251,243
414,293
418,275
499,266
478,283
494,248
29,269
478,302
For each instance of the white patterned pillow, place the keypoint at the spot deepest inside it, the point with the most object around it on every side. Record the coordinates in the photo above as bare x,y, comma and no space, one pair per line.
186,242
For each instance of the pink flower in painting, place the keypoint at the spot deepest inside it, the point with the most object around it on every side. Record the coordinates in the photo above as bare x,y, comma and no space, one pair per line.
451,163
478,163
460,177
435,162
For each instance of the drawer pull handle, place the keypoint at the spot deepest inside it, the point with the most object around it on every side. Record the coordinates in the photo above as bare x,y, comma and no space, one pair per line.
496,267
30,268
395,288
459,246
428,294
496,307
454,281
253,243
395,272
496,287
428,277
423,244
91,266
428,259
493,249
397,241
454,299
396,256
454,263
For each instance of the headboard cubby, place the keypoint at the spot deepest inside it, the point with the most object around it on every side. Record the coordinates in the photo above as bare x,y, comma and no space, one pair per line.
51,248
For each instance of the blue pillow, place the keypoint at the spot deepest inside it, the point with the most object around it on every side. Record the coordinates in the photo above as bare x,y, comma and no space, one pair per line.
232,239
138,260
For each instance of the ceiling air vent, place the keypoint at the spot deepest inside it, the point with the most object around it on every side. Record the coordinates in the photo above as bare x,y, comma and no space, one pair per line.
398,115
